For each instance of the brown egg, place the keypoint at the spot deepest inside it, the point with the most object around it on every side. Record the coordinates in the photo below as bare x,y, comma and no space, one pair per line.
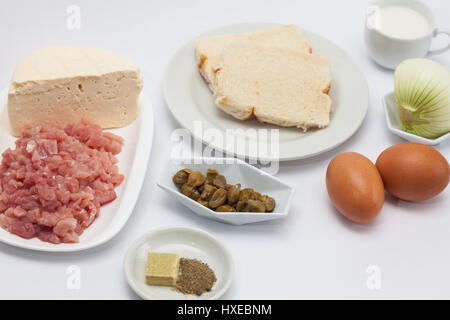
355,187
413,171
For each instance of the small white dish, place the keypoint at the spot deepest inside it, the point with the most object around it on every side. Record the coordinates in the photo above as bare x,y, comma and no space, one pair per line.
192,104
113,216
395,126
235,171
187,243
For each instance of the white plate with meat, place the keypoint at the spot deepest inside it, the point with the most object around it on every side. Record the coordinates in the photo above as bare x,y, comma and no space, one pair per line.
112,216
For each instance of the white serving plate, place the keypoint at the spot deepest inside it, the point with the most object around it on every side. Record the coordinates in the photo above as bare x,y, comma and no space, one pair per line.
113,216
395,126
187,243
236,171
190,101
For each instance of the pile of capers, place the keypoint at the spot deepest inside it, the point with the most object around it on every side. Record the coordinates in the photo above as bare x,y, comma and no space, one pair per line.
215,193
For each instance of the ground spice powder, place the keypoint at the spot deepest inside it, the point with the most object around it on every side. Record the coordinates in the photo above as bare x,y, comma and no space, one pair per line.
195,277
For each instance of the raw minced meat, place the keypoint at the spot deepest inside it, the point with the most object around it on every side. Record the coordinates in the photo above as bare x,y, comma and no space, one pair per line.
54,182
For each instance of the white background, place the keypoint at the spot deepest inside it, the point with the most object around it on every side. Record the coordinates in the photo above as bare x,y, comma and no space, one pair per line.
314,253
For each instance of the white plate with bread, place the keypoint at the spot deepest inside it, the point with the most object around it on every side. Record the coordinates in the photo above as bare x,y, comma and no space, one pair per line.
265,91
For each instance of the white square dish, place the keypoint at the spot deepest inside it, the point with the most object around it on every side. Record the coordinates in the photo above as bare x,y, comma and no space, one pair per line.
395,126
236,171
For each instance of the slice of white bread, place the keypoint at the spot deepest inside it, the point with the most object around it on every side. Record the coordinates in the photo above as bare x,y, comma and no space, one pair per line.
208,50
276,85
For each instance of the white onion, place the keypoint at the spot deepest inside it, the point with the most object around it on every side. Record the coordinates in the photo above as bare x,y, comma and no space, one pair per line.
422,93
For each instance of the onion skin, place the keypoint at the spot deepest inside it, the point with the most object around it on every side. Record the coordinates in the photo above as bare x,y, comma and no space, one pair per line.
413,171
422,93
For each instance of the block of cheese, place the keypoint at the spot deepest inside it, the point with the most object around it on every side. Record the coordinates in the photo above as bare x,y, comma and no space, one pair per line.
209,50
65,84
162,269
